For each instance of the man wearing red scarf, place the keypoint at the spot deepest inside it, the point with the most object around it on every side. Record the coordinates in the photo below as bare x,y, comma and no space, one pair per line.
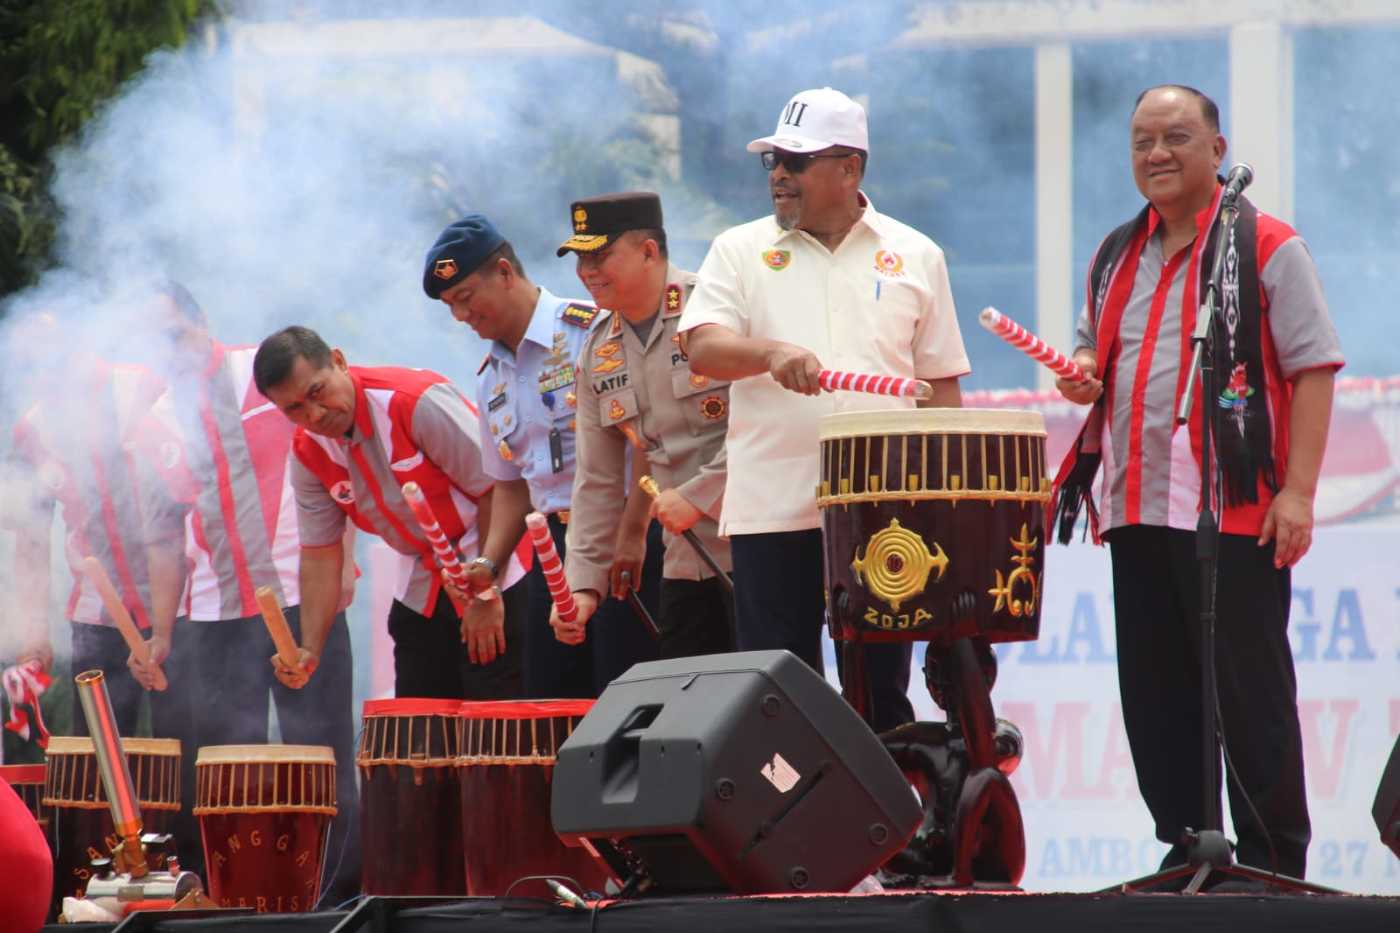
1275,358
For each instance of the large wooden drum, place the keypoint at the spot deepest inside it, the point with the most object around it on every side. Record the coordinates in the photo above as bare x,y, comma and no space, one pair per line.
925,507
507,765
28,782
80,827
264,813
410,798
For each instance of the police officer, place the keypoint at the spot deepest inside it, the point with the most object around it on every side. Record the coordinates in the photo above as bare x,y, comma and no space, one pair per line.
524,389
635,389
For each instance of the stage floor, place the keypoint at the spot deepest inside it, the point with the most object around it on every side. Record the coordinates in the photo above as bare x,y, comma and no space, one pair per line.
902,912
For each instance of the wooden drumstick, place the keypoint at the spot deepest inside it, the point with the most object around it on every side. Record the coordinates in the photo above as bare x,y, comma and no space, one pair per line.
277,627
97,576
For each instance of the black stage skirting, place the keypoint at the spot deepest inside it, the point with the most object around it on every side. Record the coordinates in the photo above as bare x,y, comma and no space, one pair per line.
951,912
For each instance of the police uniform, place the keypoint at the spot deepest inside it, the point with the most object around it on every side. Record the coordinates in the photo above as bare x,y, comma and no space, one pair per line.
645,389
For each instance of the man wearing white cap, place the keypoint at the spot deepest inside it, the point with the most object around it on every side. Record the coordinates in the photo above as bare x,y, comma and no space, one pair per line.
826,281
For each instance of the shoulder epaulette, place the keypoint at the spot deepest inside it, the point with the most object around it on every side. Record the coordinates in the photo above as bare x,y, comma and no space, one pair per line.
482,368
579,315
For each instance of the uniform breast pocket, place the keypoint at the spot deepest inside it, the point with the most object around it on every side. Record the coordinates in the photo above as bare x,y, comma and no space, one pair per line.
896,310
617,407
502,417
704,401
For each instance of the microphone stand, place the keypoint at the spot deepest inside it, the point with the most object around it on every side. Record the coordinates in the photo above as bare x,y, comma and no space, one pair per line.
1207,849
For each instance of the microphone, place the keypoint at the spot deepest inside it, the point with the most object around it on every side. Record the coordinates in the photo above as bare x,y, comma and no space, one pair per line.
1239,178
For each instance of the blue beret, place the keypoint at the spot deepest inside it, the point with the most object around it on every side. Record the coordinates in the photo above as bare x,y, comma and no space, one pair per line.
458,252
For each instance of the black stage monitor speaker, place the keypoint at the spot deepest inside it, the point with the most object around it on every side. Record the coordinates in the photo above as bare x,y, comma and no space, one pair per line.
744,772
1386,809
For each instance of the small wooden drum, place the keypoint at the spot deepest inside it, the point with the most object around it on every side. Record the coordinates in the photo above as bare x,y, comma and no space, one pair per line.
409,785
924,506
507,764
80,827
264,813
28,782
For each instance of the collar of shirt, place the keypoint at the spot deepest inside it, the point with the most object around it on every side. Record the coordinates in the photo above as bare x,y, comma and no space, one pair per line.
540,330
869,218
363,428
1203,217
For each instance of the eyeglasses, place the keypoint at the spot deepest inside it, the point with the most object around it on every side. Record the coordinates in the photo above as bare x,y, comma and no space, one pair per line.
795,162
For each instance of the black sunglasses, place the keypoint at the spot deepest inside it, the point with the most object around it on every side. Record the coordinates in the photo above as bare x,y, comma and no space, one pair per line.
794,162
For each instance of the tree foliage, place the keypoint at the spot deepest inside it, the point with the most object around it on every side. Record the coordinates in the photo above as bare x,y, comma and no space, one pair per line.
60,60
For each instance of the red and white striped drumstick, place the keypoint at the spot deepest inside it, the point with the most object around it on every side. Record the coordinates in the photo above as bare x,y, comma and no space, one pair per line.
538,527
446,553
1031,345
833,380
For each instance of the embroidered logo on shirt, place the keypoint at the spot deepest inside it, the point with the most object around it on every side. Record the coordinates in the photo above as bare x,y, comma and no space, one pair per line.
342,493
777,259
699,381
608,366
607,350
616,412
712,407
888,262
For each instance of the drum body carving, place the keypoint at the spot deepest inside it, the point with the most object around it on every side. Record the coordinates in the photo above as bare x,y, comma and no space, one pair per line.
507,764
264,814
921,506
80,819
411,798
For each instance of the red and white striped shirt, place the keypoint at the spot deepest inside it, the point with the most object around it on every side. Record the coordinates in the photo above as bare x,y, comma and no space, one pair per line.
411,425
223,450
79,457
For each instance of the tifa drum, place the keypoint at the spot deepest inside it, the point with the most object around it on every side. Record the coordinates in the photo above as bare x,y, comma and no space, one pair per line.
506,768
80,818
28,782
410,798
264,814
931,508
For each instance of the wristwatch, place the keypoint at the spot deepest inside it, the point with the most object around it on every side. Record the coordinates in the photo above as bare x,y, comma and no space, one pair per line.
484,561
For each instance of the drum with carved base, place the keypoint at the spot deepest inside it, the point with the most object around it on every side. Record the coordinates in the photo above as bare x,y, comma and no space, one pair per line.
265,812
922,507
507,764
411,798
80,818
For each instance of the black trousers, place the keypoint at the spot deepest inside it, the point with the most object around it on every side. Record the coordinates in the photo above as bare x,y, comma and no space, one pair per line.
779,597
232,658
431,661
101,647
1156,596
697,617
616,638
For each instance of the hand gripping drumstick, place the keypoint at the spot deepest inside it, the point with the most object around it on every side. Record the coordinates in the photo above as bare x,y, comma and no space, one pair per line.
1031,345
833,380
97,576
650,488
442,547
538,527
277,627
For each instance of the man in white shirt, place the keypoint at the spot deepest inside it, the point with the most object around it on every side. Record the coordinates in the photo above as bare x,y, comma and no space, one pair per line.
825,282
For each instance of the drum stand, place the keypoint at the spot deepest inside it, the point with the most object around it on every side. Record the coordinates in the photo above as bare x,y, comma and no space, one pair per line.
972,834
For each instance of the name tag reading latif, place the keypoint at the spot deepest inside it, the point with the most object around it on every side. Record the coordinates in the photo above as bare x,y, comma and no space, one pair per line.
556,450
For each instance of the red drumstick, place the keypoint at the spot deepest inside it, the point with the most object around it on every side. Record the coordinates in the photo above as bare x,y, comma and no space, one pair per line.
1031,345
833,380
446,553
553,569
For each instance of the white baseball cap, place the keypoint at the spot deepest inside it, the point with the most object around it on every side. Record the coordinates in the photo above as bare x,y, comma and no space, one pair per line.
817,119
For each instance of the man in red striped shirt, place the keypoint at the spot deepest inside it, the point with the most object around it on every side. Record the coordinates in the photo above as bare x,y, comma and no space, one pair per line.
221,522
361,434
1275,356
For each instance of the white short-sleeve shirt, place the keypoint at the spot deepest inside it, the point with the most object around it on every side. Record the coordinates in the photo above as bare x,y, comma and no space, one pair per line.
880,303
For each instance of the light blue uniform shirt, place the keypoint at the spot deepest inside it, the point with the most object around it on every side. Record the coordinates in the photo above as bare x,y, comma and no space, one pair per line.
526,396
